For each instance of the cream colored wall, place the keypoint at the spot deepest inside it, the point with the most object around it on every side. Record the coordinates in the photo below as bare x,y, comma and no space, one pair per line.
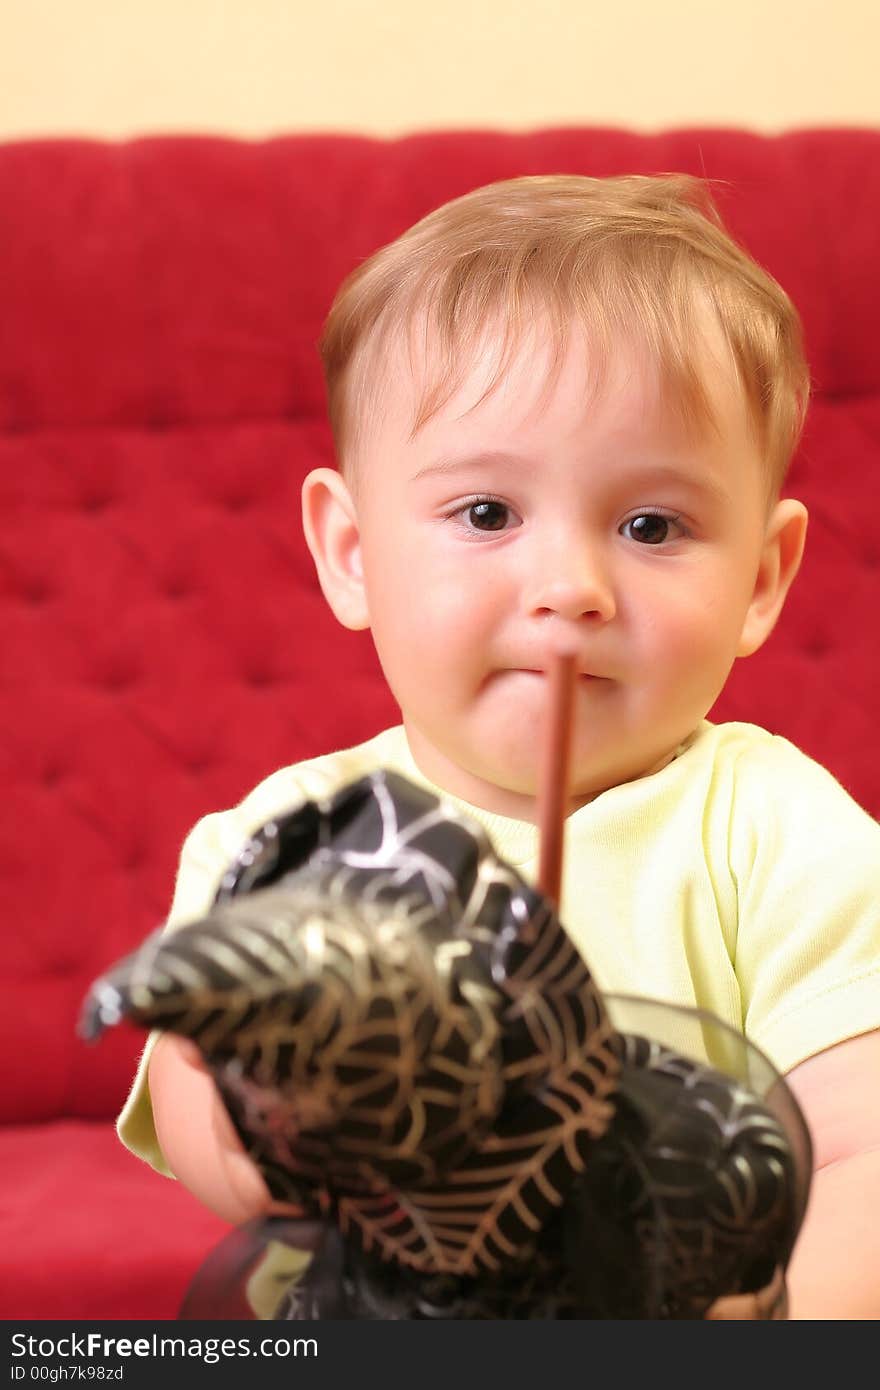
258,67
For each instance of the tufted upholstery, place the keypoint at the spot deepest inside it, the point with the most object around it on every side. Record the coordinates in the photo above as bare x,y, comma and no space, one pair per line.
164,641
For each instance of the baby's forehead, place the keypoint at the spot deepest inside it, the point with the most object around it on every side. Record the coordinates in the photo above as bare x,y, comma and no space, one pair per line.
524,376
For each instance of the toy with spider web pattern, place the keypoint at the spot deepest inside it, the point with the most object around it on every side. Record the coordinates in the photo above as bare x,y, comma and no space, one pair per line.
418,1060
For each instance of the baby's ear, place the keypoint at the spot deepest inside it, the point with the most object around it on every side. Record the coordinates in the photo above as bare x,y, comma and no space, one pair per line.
780,561
333,536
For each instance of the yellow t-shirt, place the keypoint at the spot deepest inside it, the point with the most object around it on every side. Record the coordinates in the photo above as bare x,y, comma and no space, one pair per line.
741,878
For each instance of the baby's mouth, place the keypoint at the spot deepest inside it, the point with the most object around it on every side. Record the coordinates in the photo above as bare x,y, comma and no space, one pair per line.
583,676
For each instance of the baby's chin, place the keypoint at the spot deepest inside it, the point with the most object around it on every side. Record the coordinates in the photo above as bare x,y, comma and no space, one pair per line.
517,776
512,769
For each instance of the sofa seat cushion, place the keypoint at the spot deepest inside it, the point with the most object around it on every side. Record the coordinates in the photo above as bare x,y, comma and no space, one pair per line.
87,1231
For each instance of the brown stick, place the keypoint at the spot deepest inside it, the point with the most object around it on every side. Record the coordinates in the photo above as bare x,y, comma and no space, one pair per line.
553,786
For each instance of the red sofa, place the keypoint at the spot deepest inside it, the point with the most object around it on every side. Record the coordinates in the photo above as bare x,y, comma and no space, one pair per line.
165,644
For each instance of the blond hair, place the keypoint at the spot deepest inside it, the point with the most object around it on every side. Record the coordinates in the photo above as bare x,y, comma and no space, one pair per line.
621,256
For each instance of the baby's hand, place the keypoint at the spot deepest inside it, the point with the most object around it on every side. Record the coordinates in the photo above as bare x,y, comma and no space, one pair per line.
769,1304
197,1136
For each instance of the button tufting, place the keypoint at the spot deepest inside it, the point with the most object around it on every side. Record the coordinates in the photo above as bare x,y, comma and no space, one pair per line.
198,763
118,678
177,588
261,680
63,966
96,502
37,593
817,646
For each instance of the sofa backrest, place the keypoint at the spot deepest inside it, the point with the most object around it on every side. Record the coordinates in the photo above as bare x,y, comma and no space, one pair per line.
165,644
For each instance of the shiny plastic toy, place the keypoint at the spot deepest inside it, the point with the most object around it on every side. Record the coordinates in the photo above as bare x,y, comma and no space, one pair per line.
415,1055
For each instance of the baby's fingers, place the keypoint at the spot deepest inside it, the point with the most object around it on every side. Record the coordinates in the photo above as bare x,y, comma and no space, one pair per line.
769,1304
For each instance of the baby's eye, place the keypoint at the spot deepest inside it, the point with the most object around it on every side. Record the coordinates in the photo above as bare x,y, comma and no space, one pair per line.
488,516
485,514
652,528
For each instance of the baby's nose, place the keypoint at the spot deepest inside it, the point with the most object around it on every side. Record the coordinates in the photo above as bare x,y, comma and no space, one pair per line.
571,583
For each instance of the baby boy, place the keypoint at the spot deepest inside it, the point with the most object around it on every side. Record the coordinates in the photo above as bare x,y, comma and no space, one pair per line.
564,408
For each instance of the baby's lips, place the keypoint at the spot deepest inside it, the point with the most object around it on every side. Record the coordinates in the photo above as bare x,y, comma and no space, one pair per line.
540,671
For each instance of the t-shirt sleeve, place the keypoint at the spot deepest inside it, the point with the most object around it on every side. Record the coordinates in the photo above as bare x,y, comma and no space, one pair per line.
806,862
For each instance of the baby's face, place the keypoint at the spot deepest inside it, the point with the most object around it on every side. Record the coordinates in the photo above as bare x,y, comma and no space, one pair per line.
588,516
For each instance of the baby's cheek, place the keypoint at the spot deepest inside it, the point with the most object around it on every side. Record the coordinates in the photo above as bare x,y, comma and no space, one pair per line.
454,614
703,652
695,617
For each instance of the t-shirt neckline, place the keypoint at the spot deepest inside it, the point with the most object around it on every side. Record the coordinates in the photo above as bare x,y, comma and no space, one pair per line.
514,840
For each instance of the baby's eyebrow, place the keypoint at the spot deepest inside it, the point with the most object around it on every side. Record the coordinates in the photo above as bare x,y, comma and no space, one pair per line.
648,475
484,459
703,483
